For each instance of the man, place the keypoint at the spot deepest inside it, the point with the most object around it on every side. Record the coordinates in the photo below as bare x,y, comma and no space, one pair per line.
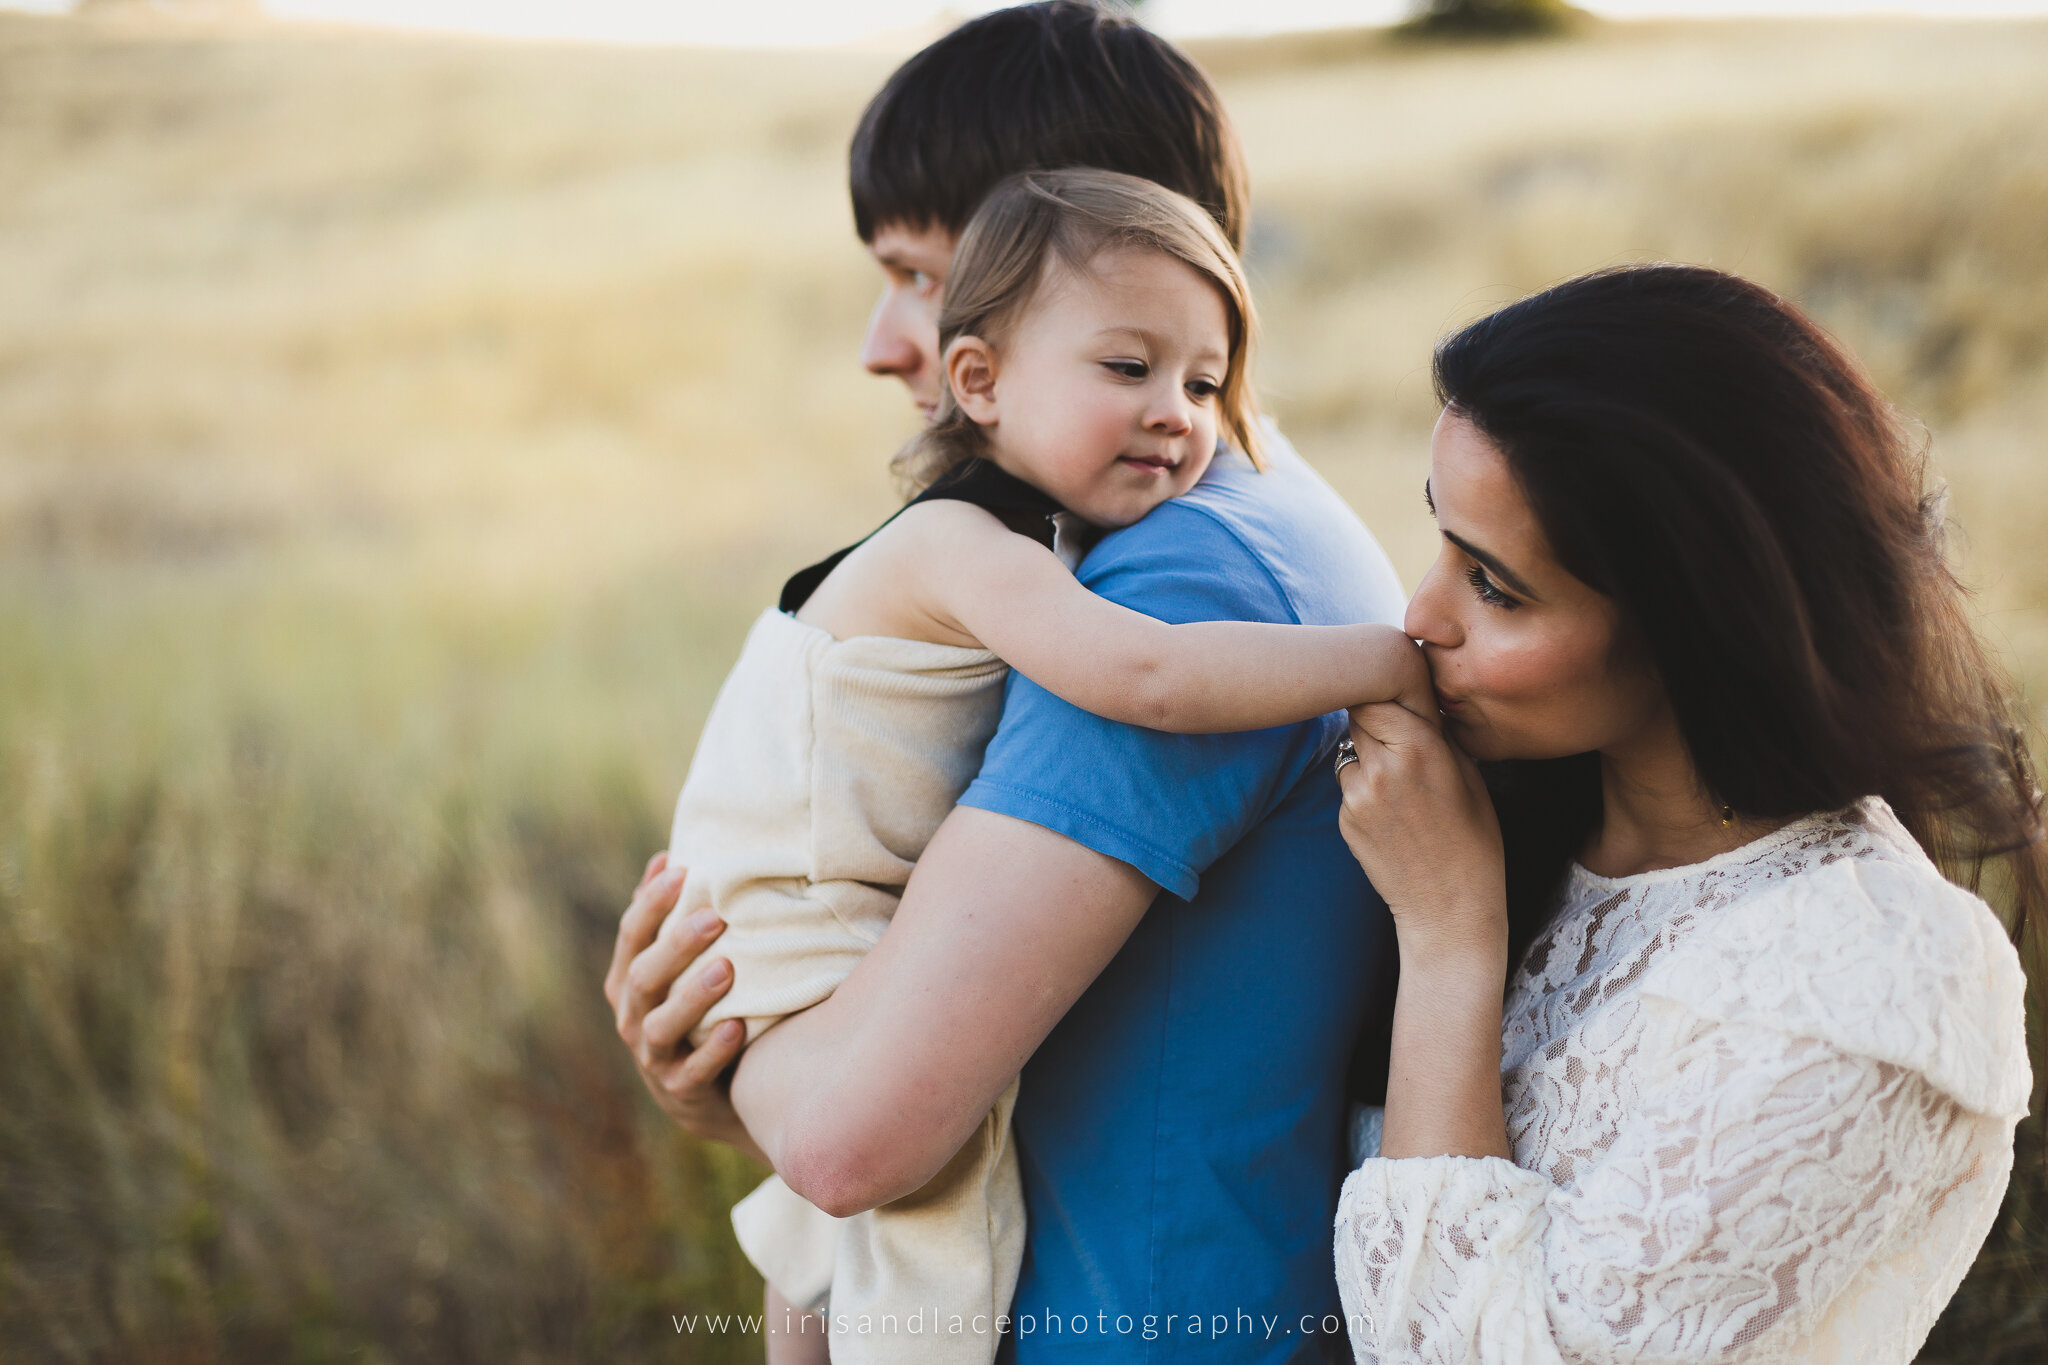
1167,929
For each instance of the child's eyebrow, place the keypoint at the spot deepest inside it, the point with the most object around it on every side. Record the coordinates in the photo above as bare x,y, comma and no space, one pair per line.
1152,339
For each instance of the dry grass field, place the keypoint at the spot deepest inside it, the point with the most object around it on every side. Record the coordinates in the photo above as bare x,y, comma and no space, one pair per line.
396,437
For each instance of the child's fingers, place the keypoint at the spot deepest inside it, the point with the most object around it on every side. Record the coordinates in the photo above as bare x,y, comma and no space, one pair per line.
1385,725
1420,702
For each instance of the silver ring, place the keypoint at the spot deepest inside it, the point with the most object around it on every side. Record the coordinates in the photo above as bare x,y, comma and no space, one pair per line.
1347,752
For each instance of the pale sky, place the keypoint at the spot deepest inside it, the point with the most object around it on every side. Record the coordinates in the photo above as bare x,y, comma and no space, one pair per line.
800,23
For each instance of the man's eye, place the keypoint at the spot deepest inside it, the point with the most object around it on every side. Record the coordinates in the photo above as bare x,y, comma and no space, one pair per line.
1128,369
921,281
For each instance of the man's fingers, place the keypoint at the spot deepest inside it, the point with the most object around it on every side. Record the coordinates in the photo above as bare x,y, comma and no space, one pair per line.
652,976
671,1021
704,1065
641,923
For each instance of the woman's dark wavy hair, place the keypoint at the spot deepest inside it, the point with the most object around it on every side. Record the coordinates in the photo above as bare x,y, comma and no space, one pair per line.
1706,456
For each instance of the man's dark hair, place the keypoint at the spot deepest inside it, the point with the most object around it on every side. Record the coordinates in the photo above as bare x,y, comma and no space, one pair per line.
1041,87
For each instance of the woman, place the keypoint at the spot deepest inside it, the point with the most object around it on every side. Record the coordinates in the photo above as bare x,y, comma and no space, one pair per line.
1754,1095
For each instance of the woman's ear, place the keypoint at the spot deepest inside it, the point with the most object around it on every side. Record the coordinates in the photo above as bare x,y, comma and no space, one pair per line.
971,374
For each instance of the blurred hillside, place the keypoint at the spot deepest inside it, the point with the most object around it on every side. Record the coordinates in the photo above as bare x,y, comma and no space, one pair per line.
396,437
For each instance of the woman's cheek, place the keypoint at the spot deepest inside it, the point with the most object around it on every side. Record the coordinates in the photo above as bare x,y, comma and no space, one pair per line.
1532,683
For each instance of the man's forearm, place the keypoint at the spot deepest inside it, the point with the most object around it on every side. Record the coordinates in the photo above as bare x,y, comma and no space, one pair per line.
862,1098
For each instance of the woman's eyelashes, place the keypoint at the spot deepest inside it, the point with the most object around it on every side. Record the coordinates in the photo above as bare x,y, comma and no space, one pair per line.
1487,591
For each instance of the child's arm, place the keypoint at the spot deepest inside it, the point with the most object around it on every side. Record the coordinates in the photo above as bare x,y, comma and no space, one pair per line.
1020,602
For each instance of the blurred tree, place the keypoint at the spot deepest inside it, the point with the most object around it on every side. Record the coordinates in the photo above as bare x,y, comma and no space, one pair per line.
1488,18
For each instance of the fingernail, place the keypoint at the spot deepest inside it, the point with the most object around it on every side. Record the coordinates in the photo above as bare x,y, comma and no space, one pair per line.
731,1028
706,922
717,972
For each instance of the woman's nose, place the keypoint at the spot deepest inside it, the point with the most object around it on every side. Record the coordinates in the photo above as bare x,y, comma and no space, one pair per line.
1426,619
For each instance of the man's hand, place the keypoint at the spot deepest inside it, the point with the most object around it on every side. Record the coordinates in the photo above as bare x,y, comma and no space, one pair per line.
657,1006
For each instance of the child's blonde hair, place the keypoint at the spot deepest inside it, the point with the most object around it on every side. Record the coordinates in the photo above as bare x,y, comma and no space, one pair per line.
1032,220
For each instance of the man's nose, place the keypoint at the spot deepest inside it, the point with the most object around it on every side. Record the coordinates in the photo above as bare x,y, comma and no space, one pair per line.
889,347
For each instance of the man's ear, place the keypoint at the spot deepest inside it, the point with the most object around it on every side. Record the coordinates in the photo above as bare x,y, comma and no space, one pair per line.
971,374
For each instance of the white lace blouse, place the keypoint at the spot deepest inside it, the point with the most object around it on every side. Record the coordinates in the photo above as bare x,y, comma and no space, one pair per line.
1761,1109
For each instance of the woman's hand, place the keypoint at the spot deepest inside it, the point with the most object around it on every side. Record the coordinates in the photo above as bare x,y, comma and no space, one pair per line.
1418,819
657,1006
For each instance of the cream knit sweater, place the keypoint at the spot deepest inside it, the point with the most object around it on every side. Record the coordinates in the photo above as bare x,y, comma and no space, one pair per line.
824,769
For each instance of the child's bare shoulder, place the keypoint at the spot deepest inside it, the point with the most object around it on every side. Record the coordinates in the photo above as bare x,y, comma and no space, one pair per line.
885,586
942,522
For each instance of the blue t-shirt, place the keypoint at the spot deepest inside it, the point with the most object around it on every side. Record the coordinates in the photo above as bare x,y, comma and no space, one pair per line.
1180,1131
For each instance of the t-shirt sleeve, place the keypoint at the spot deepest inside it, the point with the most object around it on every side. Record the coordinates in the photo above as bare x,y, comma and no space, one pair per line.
1169,805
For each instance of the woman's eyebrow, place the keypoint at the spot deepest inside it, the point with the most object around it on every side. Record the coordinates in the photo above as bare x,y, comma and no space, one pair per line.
1493,565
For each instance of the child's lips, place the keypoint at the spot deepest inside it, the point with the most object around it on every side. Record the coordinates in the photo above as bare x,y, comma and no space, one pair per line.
1151,464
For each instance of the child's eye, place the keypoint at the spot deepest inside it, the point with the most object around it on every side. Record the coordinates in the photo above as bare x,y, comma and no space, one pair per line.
1204,388
1127,369
1488,593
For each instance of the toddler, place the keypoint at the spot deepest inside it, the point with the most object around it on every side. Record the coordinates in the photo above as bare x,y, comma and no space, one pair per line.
1096,338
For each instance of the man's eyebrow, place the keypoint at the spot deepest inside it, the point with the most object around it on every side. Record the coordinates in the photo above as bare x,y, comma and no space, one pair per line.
1493,565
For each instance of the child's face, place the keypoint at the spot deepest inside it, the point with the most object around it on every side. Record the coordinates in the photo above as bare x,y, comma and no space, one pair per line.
1104,394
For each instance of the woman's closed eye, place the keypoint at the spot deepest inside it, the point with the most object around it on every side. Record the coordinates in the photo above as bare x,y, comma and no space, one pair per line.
1488,591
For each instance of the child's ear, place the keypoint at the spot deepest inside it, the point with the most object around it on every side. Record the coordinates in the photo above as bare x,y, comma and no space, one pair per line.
971,374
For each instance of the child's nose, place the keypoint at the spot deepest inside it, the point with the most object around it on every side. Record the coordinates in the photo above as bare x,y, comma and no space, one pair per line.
1170,417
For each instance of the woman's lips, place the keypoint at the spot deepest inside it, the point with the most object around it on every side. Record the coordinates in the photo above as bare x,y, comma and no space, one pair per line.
1450,706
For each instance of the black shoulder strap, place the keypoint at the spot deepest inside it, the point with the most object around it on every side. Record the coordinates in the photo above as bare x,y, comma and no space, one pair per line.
1014,502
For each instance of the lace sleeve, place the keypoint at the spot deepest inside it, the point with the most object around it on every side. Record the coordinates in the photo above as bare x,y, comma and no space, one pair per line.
1757,1173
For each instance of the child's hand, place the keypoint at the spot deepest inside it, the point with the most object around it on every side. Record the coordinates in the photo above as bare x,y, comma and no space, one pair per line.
1405,676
